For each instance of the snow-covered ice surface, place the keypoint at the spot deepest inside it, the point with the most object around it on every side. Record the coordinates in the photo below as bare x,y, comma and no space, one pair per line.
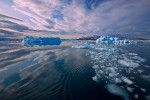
117,67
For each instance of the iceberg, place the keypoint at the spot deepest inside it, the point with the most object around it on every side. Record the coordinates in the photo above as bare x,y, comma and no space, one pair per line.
113,40
41,41
106,40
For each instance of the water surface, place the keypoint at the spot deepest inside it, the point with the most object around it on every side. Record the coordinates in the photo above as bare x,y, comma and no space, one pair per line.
63,73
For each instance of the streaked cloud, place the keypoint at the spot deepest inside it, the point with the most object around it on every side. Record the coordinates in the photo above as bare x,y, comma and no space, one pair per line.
84,16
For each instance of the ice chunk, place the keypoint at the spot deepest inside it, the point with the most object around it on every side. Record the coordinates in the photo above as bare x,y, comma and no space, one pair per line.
148,97
133,54
116,90
136,96
130,89
95,78
126,80
128,63
146,77
118,80
32,41
144,90
95,66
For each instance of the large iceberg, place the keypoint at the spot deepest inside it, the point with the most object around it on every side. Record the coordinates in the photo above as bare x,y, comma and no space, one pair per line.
40,41
113,40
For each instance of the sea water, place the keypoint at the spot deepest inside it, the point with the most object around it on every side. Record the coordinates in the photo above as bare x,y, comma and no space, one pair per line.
60,72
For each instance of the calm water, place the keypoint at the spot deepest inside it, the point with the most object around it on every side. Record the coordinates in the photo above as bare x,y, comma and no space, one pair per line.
65,73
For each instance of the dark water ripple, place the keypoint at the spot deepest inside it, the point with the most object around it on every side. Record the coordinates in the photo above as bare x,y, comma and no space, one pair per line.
48,73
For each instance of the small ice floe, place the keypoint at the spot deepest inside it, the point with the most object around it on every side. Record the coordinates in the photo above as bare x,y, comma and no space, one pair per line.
140,70
138,58
127,81
145,77
136,96
118,80
130,89
128,63
95,67
144,90
132,54
146,66
84,46
95,79
147,97
116,90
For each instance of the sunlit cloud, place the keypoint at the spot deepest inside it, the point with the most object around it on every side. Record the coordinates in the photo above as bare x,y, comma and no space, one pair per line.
102,17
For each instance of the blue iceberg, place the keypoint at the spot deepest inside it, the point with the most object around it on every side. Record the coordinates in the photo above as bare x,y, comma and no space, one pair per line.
41,41
113,40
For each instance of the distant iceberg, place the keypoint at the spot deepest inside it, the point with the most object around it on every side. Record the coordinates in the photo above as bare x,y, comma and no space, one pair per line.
113,40
41,41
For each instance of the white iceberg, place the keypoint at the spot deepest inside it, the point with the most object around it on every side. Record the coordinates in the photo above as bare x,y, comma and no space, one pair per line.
113,40
106,40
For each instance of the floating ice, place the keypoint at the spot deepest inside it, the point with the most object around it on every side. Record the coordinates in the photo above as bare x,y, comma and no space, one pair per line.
130,89
136,96
128,63
113,65
113,40
95,78
146,77
116,90
95,66
84,46
118,80
144,90
31,41
133,54
148,97
127,81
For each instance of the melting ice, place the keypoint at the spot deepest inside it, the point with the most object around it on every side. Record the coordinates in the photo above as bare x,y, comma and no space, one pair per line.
111,63
84,46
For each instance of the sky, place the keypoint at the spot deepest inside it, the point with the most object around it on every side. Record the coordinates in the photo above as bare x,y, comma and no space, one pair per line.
75,18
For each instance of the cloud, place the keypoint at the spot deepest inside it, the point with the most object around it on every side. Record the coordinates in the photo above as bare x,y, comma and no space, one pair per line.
86,16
